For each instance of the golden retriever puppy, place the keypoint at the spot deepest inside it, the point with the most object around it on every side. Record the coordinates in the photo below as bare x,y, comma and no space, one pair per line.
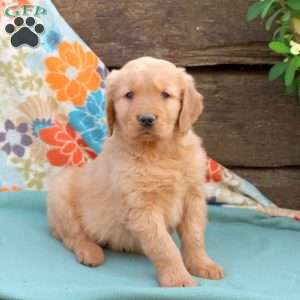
147,182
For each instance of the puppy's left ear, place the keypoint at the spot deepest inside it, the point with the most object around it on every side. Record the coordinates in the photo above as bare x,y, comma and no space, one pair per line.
191,103
110,91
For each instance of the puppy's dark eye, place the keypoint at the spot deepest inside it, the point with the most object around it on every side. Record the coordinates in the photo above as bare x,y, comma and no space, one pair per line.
129,95
165,95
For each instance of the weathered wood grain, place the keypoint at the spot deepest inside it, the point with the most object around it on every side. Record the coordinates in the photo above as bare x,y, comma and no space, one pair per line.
189,33
248,121
282,186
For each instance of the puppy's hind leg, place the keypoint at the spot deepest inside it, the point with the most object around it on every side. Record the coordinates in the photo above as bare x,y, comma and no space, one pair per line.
65,224
86,251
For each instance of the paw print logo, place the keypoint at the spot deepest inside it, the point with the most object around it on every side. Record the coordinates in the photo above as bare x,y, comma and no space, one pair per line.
24,32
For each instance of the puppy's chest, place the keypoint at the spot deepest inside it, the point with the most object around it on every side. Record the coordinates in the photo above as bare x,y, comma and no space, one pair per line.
163,177
162,185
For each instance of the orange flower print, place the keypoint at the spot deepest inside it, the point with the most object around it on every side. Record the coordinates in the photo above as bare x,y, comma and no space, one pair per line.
4,3
73,74
23,2
68,149
214,171
13,188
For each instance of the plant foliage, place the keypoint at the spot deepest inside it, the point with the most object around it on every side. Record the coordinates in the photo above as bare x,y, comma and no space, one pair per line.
283,17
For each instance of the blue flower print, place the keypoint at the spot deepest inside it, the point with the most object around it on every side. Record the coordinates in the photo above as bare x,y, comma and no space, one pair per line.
50,40
89,121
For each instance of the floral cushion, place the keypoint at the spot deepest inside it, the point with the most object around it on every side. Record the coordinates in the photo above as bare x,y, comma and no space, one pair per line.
52,97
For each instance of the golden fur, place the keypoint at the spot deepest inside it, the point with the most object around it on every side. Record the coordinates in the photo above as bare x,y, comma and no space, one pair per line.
146,183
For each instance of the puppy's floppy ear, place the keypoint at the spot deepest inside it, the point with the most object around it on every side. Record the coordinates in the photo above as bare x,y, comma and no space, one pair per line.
111,85
191,103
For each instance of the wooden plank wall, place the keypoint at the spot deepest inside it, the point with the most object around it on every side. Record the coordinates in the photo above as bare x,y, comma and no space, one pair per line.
249,124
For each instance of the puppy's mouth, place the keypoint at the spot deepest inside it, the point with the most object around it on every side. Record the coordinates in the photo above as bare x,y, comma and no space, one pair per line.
147,134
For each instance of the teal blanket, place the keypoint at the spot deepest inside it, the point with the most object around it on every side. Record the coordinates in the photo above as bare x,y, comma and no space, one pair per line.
260,256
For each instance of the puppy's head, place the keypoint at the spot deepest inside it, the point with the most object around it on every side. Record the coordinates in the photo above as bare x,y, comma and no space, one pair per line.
151,99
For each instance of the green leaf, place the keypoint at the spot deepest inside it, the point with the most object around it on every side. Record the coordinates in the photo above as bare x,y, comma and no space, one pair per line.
271,19
277,70
279,47
293,66
295,13
255,10
268,5
286,17
294,4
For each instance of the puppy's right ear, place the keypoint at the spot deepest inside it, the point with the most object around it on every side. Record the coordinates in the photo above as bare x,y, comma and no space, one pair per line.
111,85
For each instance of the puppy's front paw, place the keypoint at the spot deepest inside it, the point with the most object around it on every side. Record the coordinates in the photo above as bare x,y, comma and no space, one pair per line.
89,254
173,278
206,268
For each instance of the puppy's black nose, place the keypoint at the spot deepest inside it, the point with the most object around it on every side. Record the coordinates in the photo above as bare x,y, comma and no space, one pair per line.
146,120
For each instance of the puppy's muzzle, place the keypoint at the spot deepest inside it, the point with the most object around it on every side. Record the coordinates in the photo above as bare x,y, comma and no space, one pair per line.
147,120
